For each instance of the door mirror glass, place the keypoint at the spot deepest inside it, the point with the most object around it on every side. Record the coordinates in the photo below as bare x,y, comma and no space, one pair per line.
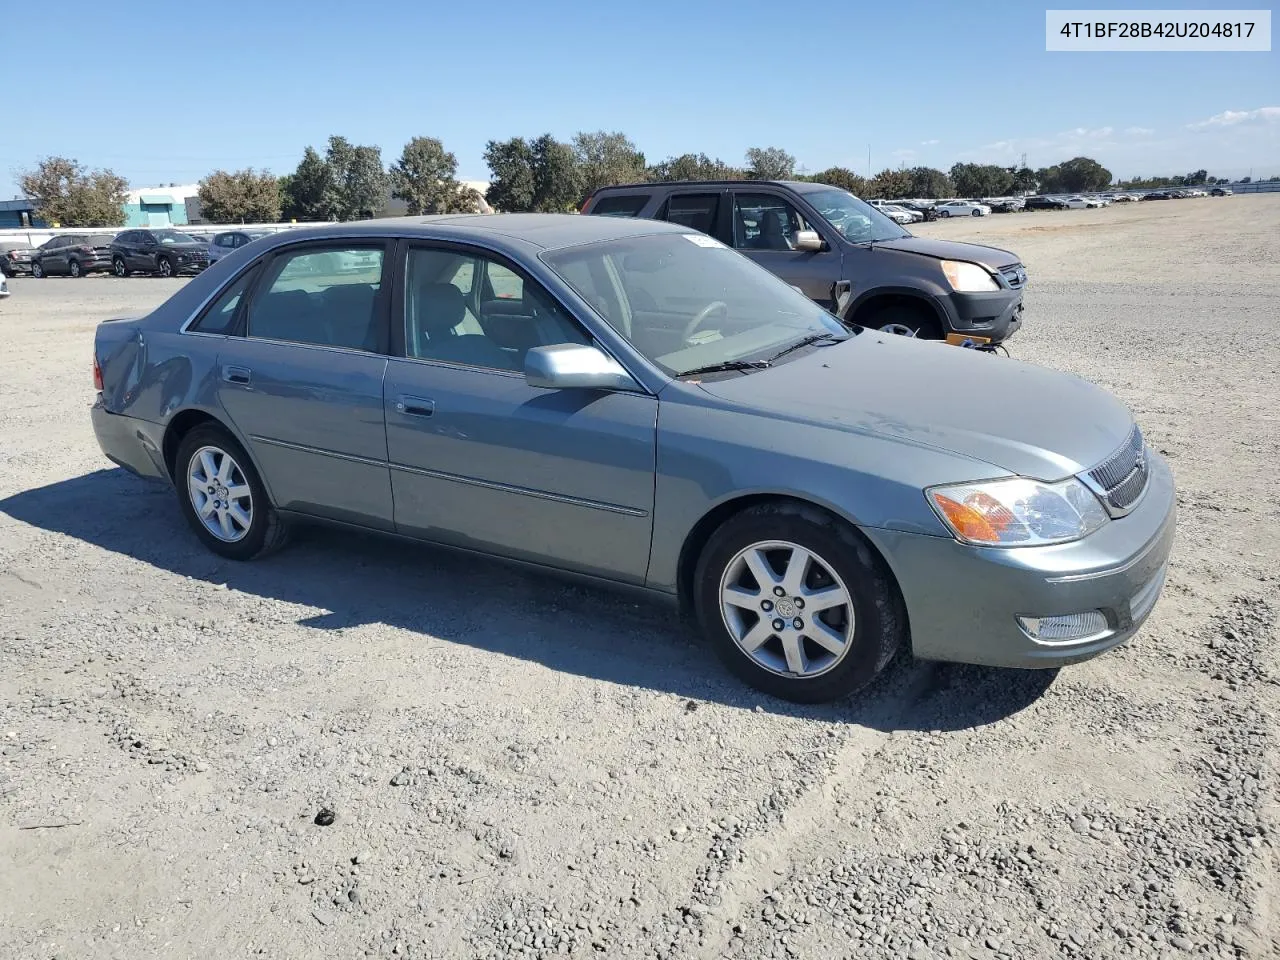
564,366
807,240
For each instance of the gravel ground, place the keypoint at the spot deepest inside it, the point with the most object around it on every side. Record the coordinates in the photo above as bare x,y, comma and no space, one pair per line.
359,748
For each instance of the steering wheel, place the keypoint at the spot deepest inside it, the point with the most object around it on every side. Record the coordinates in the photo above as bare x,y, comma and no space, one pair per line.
702,315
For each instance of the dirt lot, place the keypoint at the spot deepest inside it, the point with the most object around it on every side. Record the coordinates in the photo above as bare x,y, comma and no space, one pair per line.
523,768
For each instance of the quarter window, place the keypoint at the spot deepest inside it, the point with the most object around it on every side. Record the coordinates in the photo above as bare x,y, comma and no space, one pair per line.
326,297
762,221
220,318
469,309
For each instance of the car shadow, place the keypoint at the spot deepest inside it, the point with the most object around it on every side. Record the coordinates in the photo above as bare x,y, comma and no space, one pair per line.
591,631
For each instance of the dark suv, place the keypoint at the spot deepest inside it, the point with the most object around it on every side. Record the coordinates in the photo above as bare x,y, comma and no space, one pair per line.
1044,203
164,252
74,254
842,253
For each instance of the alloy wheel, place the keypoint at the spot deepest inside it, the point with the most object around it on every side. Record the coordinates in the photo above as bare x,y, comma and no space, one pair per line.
220,494
165,267
787,609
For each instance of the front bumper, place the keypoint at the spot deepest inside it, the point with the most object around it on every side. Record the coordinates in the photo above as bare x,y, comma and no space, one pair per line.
963,601
996,315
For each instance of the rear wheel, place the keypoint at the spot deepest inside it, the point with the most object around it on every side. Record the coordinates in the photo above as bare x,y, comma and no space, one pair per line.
73,268
222,496
118,267
37,271
797,603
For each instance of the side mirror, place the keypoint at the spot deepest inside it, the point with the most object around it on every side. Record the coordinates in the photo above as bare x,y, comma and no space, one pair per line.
807,240
564,366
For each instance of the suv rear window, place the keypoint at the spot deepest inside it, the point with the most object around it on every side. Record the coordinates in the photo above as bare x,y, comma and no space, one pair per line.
622,205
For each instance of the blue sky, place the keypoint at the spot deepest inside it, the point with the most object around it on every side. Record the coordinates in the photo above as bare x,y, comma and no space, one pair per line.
920,82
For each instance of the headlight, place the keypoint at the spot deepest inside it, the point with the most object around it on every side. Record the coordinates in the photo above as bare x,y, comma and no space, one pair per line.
1018,512
968,277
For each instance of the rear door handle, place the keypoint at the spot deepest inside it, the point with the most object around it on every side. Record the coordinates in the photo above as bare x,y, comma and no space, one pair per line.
415,406
236,374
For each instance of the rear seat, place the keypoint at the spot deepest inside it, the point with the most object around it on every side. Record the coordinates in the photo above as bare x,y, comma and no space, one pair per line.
341,316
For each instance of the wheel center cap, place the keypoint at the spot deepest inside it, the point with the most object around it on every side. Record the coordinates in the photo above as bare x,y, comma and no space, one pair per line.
785,608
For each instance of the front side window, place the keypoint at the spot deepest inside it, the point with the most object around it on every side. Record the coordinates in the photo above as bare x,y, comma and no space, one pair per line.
470,309
324,296
762,221
686,301
172,236
854,219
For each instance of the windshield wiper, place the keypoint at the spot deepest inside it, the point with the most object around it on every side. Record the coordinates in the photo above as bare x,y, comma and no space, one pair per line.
729,365
816,338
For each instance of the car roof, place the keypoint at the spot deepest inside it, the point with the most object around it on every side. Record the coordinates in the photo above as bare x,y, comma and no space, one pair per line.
541,230
799,186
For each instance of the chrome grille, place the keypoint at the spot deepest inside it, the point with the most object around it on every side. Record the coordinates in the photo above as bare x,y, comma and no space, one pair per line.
1015,275
1122,477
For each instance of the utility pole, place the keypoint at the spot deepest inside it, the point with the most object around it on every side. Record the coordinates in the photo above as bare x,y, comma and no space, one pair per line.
869,162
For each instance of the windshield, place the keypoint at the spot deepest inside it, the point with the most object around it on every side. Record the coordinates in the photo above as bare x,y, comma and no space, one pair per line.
858,221
173,236
686,301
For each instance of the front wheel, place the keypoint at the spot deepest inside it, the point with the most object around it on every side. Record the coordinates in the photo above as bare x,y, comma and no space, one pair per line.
222,496
37,271
946,214
976,213
164,267
118,267
797,603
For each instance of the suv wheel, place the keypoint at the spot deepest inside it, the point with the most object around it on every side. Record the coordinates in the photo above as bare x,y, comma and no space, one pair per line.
797,604
73,268
37,271
904,319
118,267
164,266
222,496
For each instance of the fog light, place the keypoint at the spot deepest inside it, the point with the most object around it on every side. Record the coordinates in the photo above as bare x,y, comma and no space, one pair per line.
1064,629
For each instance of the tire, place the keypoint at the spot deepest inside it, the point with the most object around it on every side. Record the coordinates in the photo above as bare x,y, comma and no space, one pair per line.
164,266
226,532
73,268
976,213
37,270
118,267
904,320
839,559
946,214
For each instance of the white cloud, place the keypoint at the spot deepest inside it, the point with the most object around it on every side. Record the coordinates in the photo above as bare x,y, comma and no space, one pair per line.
1230,118
929,143
1138,131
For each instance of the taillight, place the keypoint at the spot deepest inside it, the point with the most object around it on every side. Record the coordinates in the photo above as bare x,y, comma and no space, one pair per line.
97,375
85,249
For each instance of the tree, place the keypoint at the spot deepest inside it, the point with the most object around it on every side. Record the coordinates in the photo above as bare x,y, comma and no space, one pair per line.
928,183
1024,180
245,196
605,159
540,175
770,163
891,184
1082,175
359,185
64,192
425,179
694,166
1196,177
845,179
307,194
981,180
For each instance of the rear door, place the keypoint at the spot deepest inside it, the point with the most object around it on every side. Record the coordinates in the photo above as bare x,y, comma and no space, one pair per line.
764,226
302,380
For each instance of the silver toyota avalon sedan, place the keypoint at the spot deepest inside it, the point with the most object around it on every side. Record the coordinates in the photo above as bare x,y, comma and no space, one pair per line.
633,402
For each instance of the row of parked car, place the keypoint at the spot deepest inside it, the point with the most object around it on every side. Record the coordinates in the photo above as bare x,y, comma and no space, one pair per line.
160,252
914,211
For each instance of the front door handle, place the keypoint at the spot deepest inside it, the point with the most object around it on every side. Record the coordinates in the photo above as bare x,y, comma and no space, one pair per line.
415,406
236,374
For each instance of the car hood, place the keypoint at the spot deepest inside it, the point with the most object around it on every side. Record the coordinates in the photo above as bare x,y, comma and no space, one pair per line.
1021,418
952,250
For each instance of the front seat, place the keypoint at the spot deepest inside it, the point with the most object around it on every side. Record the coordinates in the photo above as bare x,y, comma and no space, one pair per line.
438,308
773,232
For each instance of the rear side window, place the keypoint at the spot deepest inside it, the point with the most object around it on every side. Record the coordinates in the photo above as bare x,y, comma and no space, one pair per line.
220,318
622,205
696,210
325,297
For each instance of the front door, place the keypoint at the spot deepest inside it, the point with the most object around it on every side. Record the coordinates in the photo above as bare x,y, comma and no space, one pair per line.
764,228
303,384
479,458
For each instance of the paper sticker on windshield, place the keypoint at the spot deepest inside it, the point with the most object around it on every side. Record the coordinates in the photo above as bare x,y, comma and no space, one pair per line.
702,240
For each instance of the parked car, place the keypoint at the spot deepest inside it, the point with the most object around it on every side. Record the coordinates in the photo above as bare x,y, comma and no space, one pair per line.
1158,195
654,411
1005,205
165,253
15,257
1220,192
1043,203
922,207
842,253
1124,198
1081,203
962,208
1177,195
73,254
900,214
223,243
